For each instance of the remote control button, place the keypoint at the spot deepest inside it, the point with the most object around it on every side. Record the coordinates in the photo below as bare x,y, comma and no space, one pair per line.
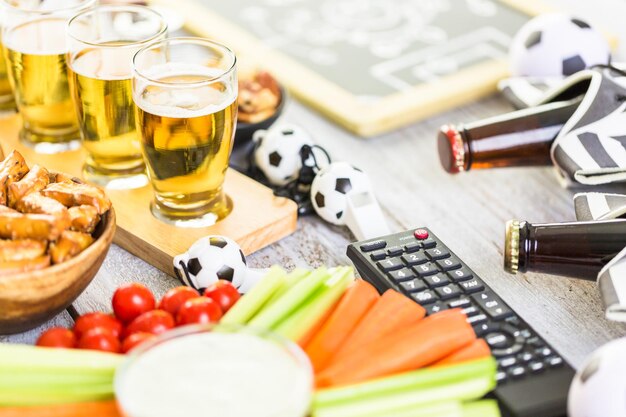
394,251
411,259
525,357
390,264
555,362
435,308
370,246
507,362
514,321
477,319
492,305
517,372
437,253
448,264
378,255
437,281
460,274
425,269
429,243
412,247
471,311
513,350
545,352
424,297
535,342
449,291
413,285
403,274
461,302
498,340
500,377
536,367
525,333
482,329
421,234
471,286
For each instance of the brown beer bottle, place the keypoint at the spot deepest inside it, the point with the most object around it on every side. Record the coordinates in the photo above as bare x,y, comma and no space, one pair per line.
519,138
574,249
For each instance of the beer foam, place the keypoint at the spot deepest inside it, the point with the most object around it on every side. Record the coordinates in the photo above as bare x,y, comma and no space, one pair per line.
179,101
44,36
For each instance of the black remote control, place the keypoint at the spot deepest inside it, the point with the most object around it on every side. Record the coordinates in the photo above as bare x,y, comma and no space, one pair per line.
533,379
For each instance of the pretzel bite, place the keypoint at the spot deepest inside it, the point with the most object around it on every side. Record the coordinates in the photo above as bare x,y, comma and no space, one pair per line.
24,265
84,218
36,180
69,245
38,204
29,226
71,194
5,209
18,250
59,177
12,169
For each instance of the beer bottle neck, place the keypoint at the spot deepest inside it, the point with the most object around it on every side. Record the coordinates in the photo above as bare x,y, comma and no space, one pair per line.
575,249
520,138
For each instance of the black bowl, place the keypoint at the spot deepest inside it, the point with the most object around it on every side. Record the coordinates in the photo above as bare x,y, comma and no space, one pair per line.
244,131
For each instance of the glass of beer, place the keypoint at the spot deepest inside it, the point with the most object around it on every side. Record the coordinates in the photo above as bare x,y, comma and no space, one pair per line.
35,49
102,42
185,90
6,93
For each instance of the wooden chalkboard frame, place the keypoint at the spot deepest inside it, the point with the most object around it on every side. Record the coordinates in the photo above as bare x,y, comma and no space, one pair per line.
388,113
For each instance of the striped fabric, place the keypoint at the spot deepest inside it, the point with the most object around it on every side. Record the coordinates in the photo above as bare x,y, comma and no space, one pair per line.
591,147
523,92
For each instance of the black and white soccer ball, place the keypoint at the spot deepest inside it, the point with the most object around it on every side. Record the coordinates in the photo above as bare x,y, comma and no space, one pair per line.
210,259
599,387
279,152
331,187
556,44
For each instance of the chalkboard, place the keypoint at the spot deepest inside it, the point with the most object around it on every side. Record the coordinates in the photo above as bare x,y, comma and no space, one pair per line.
371,65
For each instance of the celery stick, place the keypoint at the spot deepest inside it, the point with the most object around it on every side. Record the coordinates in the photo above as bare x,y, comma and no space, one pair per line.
253,301
482,408
423,378
290,301
291,279
299,323
23,397
26,358
50,379
463,390
443,409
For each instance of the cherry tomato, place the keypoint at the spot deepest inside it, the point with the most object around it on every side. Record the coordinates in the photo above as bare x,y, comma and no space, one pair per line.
100,338
132,300
154,322
223,293
90,321
199,310
174,298
59,337
135,340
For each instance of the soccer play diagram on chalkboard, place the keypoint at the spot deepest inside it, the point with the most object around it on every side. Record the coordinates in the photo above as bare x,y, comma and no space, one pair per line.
370,65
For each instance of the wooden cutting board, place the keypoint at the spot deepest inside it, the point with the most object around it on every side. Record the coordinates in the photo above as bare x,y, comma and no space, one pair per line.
258,218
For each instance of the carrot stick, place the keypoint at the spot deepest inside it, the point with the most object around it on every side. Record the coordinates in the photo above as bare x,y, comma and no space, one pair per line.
345,317
393,311
404,350
479,349
91,409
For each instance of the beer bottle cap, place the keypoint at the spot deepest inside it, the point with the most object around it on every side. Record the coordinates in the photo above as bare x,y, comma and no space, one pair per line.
451,149
511,246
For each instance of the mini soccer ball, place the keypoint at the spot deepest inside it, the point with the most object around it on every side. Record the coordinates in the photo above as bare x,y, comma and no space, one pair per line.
599,387
210,259
330,188
279,153
556,44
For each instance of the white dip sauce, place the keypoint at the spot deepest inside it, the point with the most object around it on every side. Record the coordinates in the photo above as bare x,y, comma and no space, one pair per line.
215,375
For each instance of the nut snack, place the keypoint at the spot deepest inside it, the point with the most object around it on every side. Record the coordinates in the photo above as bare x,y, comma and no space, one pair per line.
45,218
259,97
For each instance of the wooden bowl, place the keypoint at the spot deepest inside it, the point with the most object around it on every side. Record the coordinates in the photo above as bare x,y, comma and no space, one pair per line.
31,298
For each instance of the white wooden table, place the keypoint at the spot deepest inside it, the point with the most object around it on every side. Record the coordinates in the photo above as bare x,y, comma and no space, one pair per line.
467,211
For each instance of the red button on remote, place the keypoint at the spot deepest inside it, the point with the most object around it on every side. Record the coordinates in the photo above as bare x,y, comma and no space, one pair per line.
421,234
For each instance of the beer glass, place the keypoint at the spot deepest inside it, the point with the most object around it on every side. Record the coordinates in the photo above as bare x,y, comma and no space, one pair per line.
6,94
102,42
185,90
35,48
